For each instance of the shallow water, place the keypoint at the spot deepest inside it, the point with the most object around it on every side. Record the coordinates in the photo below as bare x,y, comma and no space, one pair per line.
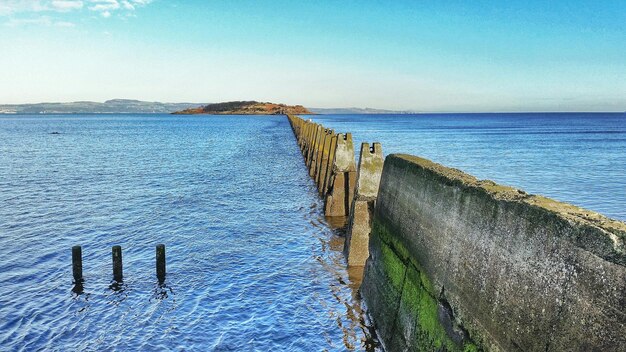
251,262
577,158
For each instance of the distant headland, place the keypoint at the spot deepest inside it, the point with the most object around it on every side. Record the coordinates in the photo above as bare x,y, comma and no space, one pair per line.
246,108
114,106
131,106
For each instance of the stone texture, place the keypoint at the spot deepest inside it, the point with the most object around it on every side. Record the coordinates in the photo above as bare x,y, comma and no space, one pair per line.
315,150
329,165
359,226
355,247
318,153
370,169
459,264
321,174
343,178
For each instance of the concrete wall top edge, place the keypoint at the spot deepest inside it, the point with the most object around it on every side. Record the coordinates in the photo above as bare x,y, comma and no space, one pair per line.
613,229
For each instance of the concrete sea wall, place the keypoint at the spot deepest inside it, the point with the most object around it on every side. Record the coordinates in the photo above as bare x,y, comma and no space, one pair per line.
330,159
453,263
461,264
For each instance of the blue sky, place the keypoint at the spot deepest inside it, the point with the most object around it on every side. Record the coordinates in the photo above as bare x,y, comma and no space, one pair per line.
425,56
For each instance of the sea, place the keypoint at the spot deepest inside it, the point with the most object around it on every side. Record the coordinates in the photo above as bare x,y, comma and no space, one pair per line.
252,264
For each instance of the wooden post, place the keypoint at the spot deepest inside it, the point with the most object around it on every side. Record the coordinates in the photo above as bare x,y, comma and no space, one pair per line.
77,263
117,263
160,261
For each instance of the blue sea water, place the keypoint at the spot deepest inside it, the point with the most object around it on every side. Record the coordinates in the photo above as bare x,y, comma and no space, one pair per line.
252,264
579,158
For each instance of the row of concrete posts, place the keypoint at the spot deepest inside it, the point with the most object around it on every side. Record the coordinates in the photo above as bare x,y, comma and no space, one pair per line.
349,192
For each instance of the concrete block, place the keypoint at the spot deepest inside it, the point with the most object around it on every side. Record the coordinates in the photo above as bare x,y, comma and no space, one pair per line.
359,225
343,178
321,174
329,166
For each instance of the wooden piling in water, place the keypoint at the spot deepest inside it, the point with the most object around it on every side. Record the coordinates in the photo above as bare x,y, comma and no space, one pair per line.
77,263
160,261
116,252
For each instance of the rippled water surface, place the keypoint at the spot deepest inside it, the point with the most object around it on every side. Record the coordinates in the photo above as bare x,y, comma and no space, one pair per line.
577,158
251,262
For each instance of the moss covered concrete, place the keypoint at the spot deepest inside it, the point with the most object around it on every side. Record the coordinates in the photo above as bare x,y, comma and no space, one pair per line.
412,315
502,269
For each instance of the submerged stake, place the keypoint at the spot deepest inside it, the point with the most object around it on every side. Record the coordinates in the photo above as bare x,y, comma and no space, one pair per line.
77,263
160,261
116,251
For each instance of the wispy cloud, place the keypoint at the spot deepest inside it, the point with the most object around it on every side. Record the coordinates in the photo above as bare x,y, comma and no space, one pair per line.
106,8
66,5
38,21
104,5
9,7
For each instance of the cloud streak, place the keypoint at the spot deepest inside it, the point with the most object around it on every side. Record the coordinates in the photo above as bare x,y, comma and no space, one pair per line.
46,21
106,8
66,5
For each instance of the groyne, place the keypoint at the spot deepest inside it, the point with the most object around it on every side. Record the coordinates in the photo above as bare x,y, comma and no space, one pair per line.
459,264
329,157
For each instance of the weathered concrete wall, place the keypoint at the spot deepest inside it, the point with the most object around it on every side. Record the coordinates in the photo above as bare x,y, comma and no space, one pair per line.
343,178
330,159
324,156
320,131
329,165
359,226
461,264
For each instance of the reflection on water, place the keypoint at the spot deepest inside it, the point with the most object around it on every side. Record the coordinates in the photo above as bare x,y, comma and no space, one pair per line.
118,293
252,262
337,223
161,291
78,288
349,280
355,275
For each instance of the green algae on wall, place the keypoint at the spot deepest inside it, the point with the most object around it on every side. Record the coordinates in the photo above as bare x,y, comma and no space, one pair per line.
416,313
460,264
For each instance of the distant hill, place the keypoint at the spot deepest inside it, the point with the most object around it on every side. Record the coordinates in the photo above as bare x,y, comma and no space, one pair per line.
246,108
339,111
120,106
89,107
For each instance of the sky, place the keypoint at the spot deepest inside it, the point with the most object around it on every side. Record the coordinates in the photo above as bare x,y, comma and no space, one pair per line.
426,56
